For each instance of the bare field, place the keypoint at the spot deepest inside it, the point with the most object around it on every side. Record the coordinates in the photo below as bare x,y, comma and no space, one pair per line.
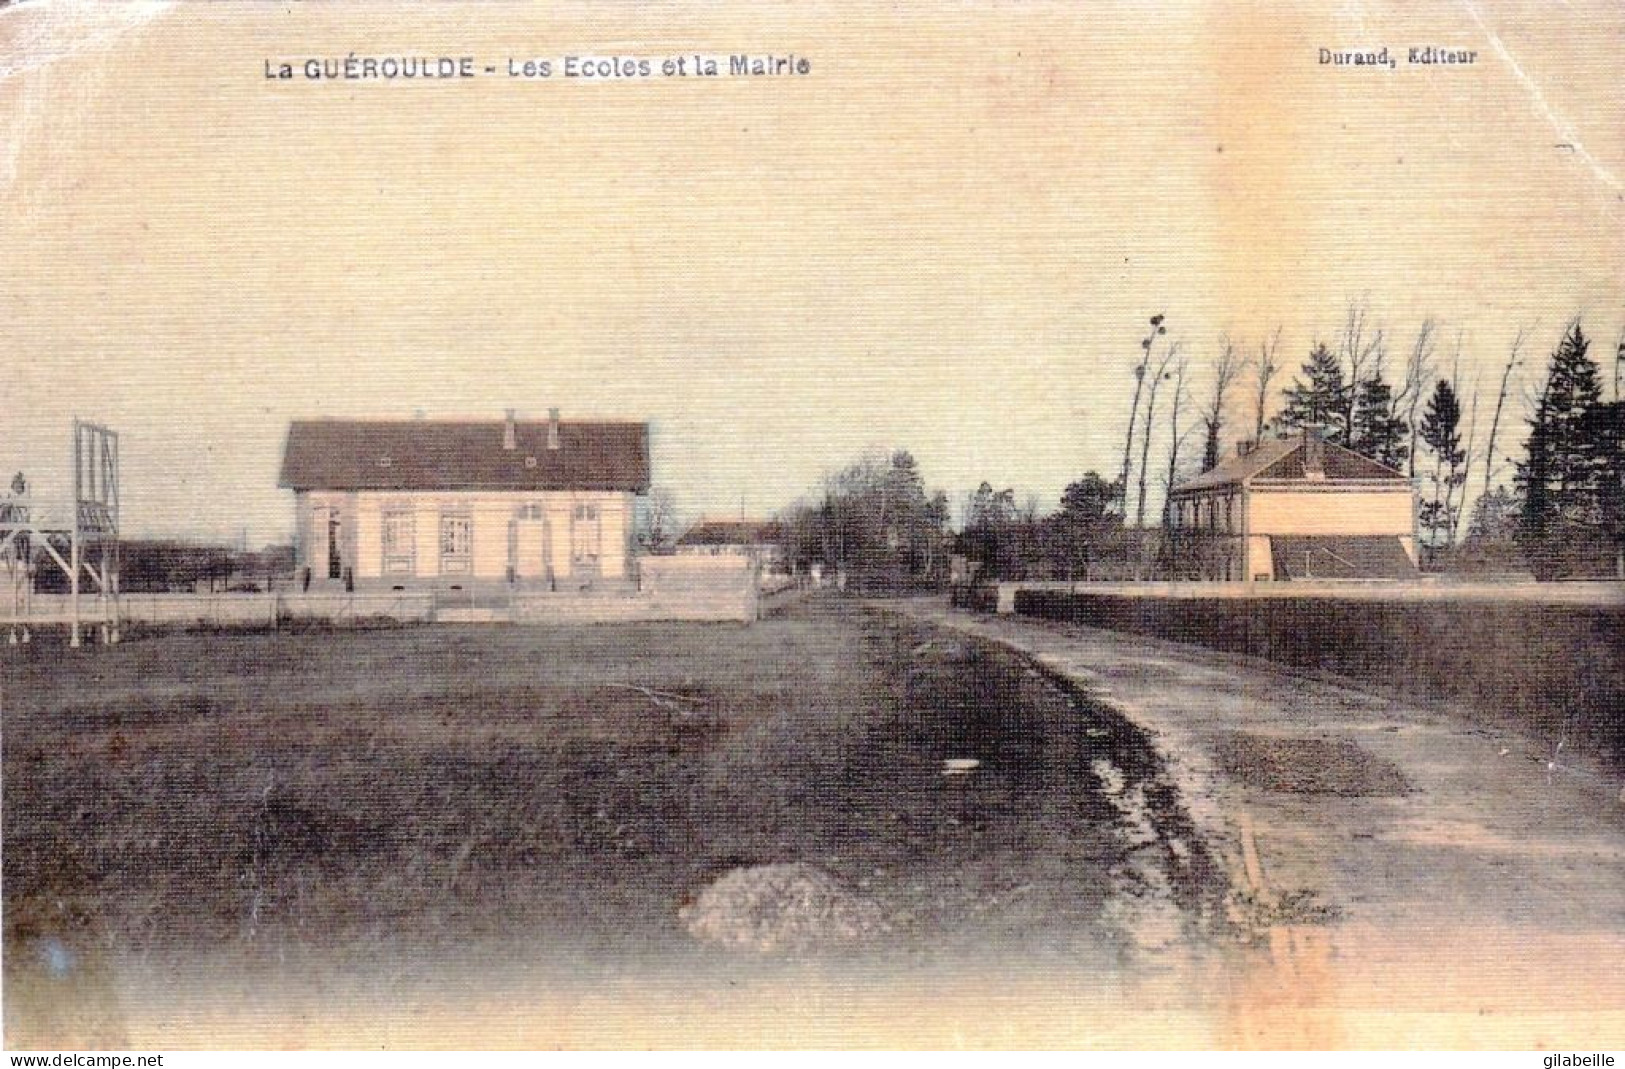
560,794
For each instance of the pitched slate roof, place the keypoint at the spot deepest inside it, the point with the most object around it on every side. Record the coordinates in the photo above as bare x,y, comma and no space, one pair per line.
1340,557
1234,469
1337,463
1282,458
437,455
731,533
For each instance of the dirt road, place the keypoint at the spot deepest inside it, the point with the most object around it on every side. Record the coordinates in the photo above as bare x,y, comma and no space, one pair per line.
1415,878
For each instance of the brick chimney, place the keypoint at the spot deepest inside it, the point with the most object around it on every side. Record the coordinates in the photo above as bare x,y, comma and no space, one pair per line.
1245,446
1314,451
510,440
552,428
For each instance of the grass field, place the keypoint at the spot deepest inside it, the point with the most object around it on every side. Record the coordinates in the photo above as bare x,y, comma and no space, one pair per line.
421,791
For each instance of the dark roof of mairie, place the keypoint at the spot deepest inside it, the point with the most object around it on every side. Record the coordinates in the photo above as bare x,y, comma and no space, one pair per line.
731,533
438,455
1282,458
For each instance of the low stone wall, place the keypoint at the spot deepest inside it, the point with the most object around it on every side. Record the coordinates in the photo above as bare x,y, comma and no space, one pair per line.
722,588
1554,666
572,609
671,588
701,588
1431,589
236,609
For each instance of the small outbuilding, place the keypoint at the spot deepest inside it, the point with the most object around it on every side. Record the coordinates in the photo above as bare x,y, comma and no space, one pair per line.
759,539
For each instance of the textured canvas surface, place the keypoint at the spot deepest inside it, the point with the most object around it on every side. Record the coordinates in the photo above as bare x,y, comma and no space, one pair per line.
944,728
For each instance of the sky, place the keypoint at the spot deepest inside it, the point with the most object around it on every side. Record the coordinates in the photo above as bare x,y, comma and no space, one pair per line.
946,237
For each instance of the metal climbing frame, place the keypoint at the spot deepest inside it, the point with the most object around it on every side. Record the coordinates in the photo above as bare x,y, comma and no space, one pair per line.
87,545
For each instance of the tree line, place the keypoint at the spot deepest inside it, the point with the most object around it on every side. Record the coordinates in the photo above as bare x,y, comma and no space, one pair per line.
1400,402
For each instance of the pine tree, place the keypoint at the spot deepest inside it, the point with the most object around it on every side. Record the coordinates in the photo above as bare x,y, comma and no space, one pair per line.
1379,432
1319,397
1440,431
1491,542
1604,436
1495,518
1558,477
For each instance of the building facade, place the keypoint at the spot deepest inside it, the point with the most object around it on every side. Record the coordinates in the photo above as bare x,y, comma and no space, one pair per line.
545,504
1293,508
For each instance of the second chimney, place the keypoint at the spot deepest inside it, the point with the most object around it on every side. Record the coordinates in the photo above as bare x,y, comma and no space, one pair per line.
509,433
1314,451
1244,447
552,428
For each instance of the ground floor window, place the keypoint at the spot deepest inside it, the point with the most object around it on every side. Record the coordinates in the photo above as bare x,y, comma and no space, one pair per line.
400,542
584,536
456,544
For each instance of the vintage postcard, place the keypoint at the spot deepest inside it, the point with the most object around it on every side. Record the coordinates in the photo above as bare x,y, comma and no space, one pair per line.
779,525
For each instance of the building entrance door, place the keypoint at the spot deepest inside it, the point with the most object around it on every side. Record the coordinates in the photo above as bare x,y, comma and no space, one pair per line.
585,542
335,545
529,547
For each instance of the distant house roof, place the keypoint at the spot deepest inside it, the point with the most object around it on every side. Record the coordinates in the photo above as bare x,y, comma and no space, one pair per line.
436,455
731,533
1282,458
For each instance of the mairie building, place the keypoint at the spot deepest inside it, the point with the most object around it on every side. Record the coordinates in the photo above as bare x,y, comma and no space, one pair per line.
1293,508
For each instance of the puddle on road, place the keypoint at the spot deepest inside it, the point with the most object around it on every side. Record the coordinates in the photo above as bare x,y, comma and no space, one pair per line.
1142,904
1025,736
1309,766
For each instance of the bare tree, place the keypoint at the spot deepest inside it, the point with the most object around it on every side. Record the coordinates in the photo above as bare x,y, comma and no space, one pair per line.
1619,360
1150,425
1268,368
1176,437
1513,360
1364,349
1466,465
659,526
1418,377
1157,329
1456,487
1225,372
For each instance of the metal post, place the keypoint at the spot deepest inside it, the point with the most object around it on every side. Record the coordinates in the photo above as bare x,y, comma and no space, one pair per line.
73,534
117,551
113,635
103,601
73,584
28,590
13,556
